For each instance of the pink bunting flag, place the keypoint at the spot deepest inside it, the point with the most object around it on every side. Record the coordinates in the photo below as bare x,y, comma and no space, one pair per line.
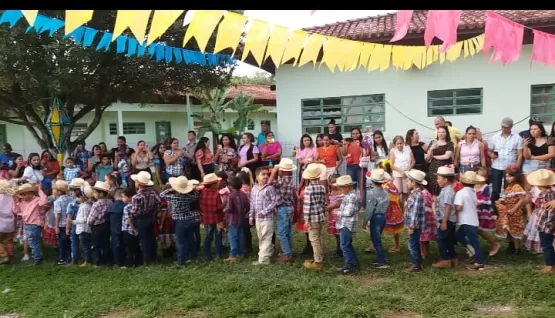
404,18
543,50
443,25
312,12
504,36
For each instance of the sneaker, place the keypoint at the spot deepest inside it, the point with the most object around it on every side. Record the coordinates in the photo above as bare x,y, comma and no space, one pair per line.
25,258
370,250
381,266
347,271
341,269
257,263
475,267
313,265
231,259
85,264
37,261
284,259
495,249
470,251
415,268
61,263
442,264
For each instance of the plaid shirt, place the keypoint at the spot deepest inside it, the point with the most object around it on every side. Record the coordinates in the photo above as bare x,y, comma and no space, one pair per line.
545,220
264,200
60,207
314,202
98,212
175,169
415,216
71,173
377,202
287,190
348,212
146,202
82,217
237,208
211,206
72,208
127,217
81,159
507,148
182,205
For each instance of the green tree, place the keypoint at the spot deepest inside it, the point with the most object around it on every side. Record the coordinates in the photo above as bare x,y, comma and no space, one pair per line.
34,68
243,105
259,78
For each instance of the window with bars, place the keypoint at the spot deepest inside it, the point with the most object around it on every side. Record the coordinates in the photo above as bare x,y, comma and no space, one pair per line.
542,102
128,128
78,129
467,101
348,112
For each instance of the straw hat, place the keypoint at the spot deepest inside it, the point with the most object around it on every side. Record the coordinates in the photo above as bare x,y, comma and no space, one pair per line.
101,186
377,175
210,178
60,185
143,178
6,187
417,176
87,191
344,181
27,187
541,178
314,171
76,183
286,164
470,177
182,184
446,171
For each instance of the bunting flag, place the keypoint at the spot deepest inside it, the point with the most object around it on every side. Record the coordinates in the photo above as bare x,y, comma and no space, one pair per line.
543,50
404,18
276,44
504,36
30,15
332,53
294,46
443,25
135,20
311,49
202,26
365,53
257,40
76,18
161,21
229,31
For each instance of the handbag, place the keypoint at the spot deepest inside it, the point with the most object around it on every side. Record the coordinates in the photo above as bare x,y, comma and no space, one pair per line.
364,162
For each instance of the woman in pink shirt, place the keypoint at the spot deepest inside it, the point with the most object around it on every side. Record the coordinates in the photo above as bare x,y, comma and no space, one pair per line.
270,150
30,203
470,154
305,153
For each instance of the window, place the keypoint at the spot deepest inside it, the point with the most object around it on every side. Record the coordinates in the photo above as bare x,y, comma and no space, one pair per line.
348,112
466,101
78,129
542,102
128,129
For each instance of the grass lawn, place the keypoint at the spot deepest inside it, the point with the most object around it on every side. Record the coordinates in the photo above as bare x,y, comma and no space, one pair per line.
510,287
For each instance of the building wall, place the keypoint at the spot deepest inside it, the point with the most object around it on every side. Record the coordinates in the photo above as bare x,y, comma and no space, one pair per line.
506,92
23,142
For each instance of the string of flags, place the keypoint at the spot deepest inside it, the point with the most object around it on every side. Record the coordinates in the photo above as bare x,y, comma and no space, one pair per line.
86,36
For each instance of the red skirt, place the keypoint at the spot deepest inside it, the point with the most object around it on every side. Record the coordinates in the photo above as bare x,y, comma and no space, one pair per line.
49,236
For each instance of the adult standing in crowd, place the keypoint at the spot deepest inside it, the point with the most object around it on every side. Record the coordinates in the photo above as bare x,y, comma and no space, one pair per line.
249,153
335,136
264,129
418,148
270,150
353,151
7,159
470,152
440,153
454,134
191,169
174,158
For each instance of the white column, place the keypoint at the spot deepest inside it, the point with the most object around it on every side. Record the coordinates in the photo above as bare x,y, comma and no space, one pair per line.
120,123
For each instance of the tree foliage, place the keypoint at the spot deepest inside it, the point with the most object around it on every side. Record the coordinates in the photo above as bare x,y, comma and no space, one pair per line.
34,68
259,78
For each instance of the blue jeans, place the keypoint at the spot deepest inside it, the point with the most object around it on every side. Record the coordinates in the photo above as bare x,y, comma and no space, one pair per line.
446,241
349,253
284,219
34,233
145,227
546,241
74,246
212,233
358,175
236,240
86,245
377,223
497,177
185,241
61,243
414,247
468,234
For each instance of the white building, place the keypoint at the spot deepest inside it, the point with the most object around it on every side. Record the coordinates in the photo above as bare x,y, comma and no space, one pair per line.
469,91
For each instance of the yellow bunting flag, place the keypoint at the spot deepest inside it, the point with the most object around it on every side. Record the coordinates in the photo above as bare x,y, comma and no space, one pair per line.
311,49
162,20
294,46
419,56
257,40
380,58
479,42
454,52
332,52
230,31
202,26
277,44
135,20
365,53
432,54
401,57
352,55
30,15
76,18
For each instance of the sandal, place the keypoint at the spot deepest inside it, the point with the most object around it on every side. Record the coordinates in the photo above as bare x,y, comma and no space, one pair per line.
370,250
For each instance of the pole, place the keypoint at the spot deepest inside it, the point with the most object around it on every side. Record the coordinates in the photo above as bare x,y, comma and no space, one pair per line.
190,123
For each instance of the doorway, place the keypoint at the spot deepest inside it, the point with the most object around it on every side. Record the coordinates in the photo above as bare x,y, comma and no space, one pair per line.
163,130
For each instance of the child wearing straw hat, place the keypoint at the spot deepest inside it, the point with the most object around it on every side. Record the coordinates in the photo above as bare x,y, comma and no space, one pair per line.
314,207
7,222
30,203
59,190
415,215
71,211
446,218
377,206
97,221
212,211
346,223
466,202
82,228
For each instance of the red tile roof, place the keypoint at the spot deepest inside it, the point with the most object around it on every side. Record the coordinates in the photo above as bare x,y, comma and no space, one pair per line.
261,93
382,27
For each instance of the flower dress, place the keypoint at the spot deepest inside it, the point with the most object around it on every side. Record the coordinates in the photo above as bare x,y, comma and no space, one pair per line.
510,224
532,243
429,233
332,215
485,211
394,221
301,225
228,168
165,228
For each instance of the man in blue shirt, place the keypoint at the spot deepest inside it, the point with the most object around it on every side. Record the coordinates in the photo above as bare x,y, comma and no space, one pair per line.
265,126
7,158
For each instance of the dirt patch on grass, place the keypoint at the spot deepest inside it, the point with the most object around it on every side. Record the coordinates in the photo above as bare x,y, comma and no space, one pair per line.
507,310
8,315
487,271
366,281
121,313
191,313
401,314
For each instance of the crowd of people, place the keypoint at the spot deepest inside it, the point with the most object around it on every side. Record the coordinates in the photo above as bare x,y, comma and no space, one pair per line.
120,206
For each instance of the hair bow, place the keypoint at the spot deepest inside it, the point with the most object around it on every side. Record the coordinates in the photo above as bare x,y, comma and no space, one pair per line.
513,167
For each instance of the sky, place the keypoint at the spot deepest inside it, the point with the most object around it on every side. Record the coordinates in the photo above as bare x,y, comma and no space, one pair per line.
298,19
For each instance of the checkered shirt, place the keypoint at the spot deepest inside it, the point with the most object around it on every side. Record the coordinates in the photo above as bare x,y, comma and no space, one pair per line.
415,216
264,200
60,207
175,169
71,173
211,206
287,190
545,220
314,205
98,212
81,225
182,204
146,202
238,207
127,217
507,148
348,212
